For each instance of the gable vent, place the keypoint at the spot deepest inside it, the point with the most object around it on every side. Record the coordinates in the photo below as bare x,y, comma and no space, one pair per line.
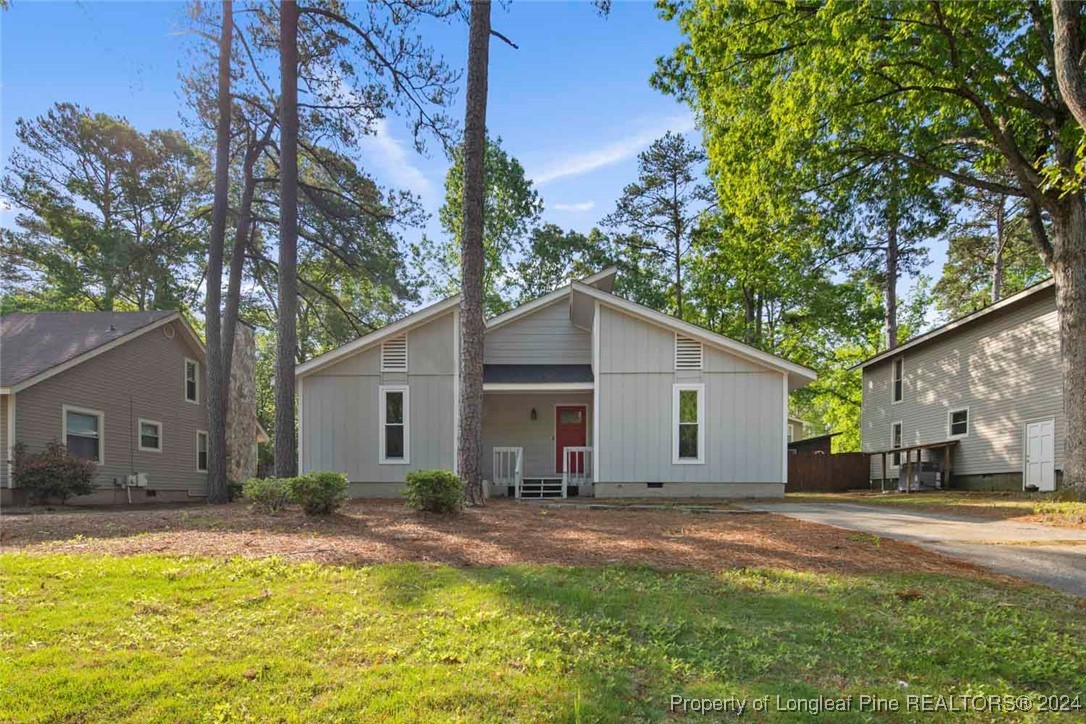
688,353
394,355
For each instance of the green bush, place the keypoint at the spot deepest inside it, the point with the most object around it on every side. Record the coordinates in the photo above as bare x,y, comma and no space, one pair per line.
320,493
52,474
236,489
268,494
435,491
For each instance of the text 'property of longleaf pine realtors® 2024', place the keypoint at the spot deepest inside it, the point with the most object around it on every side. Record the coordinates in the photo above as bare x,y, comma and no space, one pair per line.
921,703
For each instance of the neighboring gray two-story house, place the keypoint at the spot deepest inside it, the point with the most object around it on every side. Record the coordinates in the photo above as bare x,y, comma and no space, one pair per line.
584,393
983,393
124,389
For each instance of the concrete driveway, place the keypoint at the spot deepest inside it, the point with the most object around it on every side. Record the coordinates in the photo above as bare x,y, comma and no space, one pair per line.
1045,554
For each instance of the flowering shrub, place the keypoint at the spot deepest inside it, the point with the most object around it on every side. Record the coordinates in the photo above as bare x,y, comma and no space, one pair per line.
52,474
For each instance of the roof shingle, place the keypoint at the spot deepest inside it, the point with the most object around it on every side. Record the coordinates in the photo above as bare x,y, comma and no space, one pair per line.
33,343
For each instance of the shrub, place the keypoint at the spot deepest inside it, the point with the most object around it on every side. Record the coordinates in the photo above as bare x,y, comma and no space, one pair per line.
52,474
268,494
435,491
236,489
319,493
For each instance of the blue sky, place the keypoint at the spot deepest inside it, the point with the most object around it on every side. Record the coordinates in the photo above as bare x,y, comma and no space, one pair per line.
573,103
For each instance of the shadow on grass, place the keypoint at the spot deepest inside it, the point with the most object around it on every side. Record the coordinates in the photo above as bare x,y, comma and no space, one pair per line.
261,639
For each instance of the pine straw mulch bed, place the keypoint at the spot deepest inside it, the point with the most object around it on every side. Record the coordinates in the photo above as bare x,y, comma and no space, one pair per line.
503,533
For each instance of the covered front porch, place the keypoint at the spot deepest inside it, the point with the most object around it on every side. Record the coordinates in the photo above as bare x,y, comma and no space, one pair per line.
537,437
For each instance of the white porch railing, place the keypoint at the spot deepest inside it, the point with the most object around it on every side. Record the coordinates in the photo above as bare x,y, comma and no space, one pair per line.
576,467
508,467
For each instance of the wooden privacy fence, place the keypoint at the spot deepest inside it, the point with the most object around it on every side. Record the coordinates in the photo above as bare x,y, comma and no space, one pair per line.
820,473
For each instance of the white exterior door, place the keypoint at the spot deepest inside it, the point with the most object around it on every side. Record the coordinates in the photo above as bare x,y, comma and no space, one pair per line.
1041,454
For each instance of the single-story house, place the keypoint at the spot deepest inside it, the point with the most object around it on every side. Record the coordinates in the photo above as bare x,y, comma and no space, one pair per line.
584,393
979,398
126,390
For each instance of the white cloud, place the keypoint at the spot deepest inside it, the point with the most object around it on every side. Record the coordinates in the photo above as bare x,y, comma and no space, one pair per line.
579,164
579,206
394,160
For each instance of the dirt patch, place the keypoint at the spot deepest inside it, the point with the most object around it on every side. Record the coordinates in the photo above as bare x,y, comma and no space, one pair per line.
503,533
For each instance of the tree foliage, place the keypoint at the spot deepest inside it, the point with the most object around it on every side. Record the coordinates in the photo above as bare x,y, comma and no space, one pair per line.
107,217
795,98
511,211
661,208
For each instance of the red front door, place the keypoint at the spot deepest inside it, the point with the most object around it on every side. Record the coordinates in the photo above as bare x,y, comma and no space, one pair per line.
570,430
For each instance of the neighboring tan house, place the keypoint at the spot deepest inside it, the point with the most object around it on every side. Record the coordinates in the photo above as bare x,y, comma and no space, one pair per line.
584,393
124,389
981,398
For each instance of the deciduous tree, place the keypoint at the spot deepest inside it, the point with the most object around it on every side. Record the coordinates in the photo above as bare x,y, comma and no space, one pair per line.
957,90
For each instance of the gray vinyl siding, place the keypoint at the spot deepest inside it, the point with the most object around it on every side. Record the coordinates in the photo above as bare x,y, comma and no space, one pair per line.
507,422
340,409
4,464
142,378
1004,367
545,336
744,415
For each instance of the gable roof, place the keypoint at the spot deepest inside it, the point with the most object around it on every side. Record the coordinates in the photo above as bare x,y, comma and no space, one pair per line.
954,324
35,346
603,278
799,375
713,339
368,340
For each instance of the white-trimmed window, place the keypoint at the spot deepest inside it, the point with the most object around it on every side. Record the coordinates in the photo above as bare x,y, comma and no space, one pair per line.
84,433
957,423
394,354
688,416
688,353
192,380
895,442
395,431
201,451
150,435
897,381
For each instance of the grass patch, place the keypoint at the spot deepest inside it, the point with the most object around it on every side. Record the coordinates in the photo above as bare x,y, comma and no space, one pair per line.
197,639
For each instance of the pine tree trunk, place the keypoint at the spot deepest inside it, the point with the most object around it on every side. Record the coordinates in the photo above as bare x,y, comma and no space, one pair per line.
678,277
286,438
1069,270
892,259
217,489
472,324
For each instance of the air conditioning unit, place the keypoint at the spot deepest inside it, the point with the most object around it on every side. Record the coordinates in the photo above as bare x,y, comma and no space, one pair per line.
137,480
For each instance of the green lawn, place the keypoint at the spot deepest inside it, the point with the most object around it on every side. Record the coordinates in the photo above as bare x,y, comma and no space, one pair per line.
94,638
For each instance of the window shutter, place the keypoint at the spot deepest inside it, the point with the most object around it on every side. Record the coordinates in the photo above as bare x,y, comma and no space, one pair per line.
688,353
394,355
